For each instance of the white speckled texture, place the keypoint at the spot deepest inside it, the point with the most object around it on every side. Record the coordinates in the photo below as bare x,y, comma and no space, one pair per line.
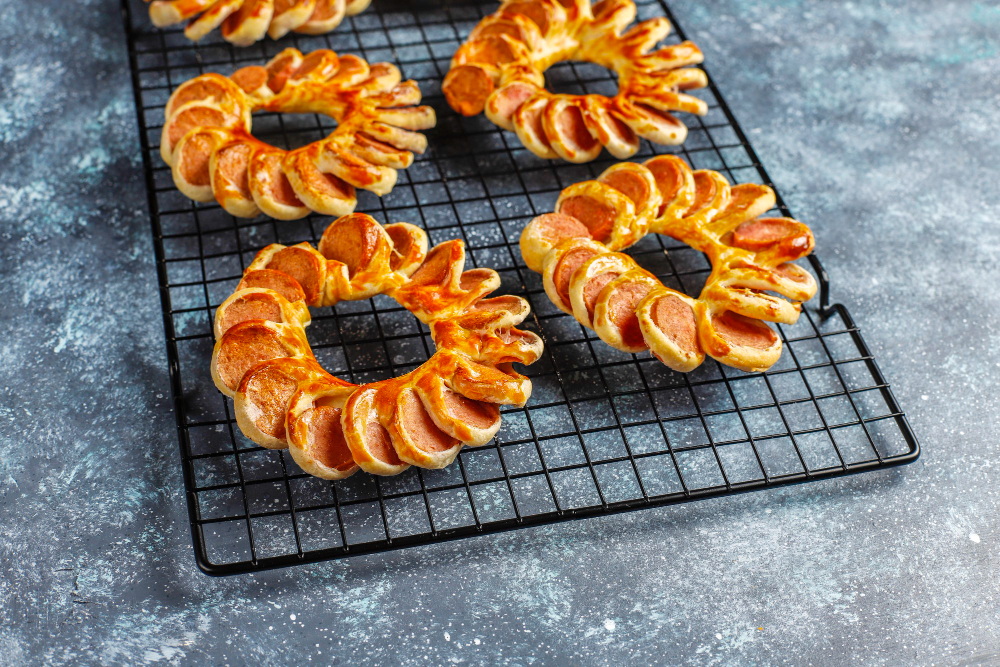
877,121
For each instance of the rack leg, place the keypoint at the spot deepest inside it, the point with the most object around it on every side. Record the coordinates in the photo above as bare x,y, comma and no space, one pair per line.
824,285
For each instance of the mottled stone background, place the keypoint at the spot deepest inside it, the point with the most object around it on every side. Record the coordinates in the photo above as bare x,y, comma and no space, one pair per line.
878,121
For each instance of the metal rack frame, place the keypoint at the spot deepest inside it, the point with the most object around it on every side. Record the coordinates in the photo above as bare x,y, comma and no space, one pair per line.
605,432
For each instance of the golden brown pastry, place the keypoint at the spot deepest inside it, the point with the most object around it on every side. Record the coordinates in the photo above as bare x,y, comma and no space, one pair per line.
332,428
499,70
213,155
575,250
244,22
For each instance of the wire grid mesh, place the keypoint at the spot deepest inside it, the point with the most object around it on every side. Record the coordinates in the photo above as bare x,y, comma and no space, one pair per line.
603,432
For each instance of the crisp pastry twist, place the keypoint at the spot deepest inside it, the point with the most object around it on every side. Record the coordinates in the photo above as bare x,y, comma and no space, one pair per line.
207,141
500,69
247,21
283,398
575,250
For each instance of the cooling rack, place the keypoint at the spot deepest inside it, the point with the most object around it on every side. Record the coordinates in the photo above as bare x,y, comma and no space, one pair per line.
604,431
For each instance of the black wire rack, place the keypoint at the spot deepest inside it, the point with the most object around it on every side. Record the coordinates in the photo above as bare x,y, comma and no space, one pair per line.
604,431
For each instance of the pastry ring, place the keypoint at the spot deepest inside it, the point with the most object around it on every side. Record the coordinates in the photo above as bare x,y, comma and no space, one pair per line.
207,141
247,21
500,68
575,247
284,399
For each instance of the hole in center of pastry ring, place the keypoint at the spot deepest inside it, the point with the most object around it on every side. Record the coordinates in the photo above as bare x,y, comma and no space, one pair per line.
580,77
403,412
327,124
290,131
511,67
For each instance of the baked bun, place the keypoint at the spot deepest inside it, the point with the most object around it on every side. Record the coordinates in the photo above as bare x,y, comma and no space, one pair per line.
284,399
499,71
207,139
244,22
753,279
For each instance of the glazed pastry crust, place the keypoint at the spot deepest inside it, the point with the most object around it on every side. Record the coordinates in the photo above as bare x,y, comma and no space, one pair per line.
499,70
753,279
283,398
243,22
208,143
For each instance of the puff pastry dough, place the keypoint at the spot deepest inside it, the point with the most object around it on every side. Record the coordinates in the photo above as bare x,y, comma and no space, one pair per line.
244,22
576,251
208,144
499,70
284,399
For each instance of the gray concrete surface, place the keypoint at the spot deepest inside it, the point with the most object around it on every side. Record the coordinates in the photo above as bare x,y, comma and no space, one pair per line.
878,122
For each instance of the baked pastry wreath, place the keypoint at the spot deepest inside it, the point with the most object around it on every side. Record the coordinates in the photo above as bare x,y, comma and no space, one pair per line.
284,399
575,247
208,143
244,22
500,69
